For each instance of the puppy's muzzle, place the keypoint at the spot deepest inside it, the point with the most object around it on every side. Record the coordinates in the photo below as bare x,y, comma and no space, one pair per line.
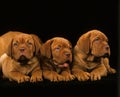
67,54
106,55
22,49
107,50
107,47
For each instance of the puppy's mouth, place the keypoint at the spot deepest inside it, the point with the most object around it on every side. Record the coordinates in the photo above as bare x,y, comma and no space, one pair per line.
106,55
23,60
62,65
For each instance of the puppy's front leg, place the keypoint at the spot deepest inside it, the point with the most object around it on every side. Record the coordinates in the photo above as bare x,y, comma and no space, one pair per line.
97,73
80,74
66,73
19,77
36,75
106,63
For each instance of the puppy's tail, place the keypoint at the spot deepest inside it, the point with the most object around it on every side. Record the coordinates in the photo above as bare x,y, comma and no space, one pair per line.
2,58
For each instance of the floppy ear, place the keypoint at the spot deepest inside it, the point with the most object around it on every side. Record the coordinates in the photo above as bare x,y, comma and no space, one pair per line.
9,49
46,48
84,43
37,43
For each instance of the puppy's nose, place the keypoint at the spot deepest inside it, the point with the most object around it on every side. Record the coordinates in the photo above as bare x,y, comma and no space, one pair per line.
22,49
107,47
67,54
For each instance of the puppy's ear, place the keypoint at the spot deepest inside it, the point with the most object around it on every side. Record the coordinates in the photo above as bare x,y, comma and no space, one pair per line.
9,49
37,43
46,48
83,43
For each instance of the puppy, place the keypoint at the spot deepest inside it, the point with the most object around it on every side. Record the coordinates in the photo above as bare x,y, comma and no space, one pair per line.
91,55
57,58
19,57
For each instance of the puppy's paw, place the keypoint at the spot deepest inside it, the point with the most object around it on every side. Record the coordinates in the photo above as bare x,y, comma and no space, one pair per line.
52,76
111,70
67,76
56,77
95,76
36,77
23,78
81,75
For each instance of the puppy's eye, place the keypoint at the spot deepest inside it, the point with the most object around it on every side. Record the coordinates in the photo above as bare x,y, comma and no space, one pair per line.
15,44
57,48
29,43
97,38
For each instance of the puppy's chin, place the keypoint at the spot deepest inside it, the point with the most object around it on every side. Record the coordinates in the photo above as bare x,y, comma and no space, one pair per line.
23,60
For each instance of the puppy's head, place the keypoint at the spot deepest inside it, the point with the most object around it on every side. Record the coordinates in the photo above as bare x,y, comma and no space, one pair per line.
59,50
94,42
23,47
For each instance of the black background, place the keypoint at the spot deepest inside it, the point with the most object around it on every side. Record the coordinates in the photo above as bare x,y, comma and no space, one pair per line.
69,19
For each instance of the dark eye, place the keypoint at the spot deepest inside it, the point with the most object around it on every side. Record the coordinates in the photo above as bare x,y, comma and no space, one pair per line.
97,38
29,43
15,44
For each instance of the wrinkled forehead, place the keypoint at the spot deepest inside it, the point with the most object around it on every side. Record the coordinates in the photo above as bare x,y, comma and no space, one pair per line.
99,35
61,42
23,38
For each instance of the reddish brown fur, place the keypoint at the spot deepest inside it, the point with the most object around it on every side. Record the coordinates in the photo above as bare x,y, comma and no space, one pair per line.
89,61
54,55
13,67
